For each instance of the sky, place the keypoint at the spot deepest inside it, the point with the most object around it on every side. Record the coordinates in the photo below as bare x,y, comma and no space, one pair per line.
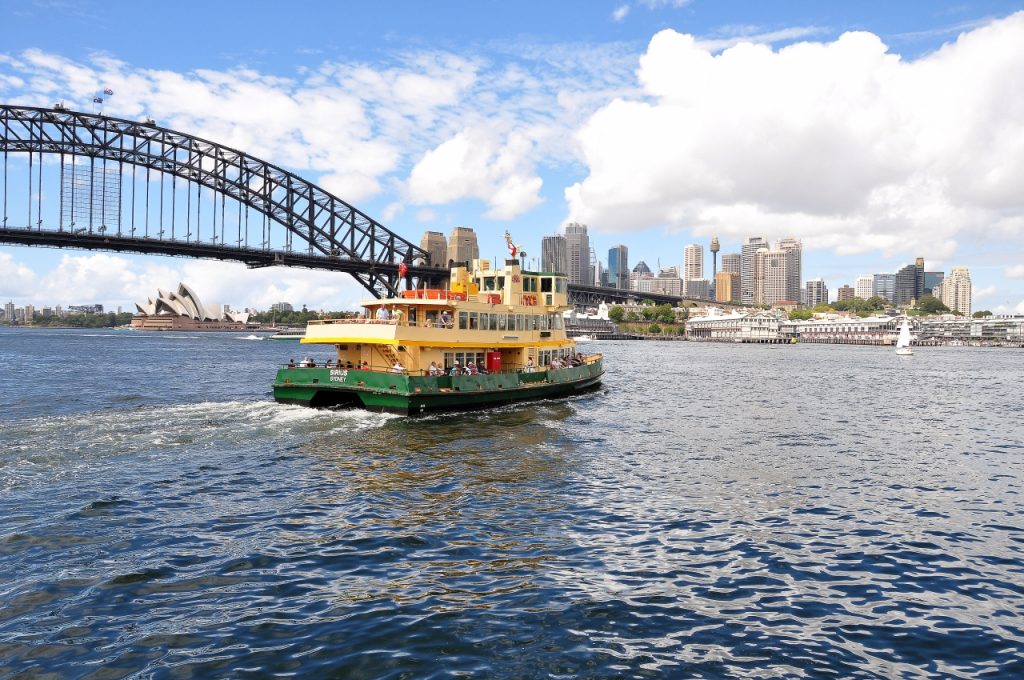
876,132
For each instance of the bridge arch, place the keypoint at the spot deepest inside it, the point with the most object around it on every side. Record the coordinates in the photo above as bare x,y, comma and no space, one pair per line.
103,207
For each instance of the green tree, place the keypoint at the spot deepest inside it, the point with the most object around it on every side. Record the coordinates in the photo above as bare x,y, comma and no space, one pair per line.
930,305
665,314
654,329
981,313
617,314
632,316
800,315
649,313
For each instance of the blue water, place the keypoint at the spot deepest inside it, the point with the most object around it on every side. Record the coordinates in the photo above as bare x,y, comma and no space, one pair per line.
714,511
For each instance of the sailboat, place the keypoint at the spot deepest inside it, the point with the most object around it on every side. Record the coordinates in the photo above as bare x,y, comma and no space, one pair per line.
903,341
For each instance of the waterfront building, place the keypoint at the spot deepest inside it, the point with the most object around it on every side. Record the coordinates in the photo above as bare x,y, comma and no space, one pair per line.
746,327
884,286
845,292
436,246
727,286
956,291
9,311
1005,330
553,255
278,307
732,262
693,262
794,266
462,245
577,245
864,286
747,256
618,267
182,310
816,293
931,280
909,284
852,330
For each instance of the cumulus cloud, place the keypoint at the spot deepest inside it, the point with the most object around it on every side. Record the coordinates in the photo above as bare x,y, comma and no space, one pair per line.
116,280
841,142
1015,272
620,12
475,163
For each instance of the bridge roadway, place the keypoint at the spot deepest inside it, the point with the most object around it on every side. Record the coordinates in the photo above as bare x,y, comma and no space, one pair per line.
131,186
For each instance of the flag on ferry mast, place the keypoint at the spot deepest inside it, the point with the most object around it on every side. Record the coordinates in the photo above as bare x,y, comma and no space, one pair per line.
402,269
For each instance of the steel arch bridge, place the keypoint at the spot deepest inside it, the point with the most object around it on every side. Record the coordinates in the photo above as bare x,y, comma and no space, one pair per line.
129,186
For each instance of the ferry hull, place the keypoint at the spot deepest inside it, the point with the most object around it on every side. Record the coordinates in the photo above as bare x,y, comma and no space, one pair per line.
410,395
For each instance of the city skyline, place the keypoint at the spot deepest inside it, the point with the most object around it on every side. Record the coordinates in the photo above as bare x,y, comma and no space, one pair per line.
488,123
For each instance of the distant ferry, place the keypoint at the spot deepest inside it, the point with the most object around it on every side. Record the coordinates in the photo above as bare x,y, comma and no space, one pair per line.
491,337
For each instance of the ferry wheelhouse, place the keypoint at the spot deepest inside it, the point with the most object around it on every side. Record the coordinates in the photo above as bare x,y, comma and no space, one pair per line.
490,337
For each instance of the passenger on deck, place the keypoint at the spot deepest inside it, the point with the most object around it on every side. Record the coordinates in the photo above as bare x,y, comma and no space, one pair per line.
383,314
480,368
471,368
396,314
433,370
529,366
445,319
455,369
364,366
348,364
291,363
398,368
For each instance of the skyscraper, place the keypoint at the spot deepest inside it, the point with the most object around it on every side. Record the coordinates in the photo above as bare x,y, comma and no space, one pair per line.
436,246
618,267
771,276
844,292
817,293
747,255
553,255
462,245
640,271
863,286
956,291
577,245
884,286
732,262
909,283
931,280
794,266
727,287
693,262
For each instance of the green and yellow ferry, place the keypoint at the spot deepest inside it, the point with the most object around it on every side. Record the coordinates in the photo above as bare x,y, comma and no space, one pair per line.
491,337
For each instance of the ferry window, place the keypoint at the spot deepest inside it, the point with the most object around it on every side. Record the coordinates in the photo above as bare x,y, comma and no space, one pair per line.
473,325
529,284
559,285
488,283
520,326
502,322
463,320
545,285
501,283
494,322
558,321
534,322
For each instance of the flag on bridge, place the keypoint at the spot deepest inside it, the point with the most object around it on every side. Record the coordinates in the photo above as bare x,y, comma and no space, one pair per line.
97,100
107,91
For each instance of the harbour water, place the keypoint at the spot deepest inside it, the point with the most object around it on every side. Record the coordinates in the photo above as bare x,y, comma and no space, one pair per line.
714,511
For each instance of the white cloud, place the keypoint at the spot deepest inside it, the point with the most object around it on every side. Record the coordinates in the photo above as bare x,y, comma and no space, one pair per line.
115,280
1015,272
620,13
980,293
843,143
477,163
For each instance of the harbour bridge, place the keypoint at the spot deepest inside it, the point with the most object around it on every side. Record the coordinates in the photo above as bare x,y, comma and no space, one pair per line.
129,186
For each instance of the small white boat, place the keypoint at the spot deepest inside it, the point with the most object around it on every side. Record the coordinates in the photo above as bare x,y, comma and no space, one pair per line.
903,340
584,338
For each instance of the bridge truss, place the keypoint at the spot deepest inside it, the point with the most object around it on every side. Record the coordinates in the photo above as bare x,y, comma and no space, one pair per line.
89,181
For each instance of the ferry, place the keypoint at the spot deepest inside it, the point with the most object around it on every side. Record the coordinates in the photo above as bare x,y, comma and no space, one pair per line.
490,337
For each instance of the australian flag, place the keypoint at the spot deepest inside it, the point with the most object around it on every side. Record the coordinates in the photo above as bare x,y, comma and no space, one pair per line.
97,100
108,92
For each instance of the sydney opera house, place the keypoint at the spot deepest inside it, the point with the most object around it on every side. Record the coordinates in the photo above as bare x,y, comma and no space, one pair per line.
181,310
